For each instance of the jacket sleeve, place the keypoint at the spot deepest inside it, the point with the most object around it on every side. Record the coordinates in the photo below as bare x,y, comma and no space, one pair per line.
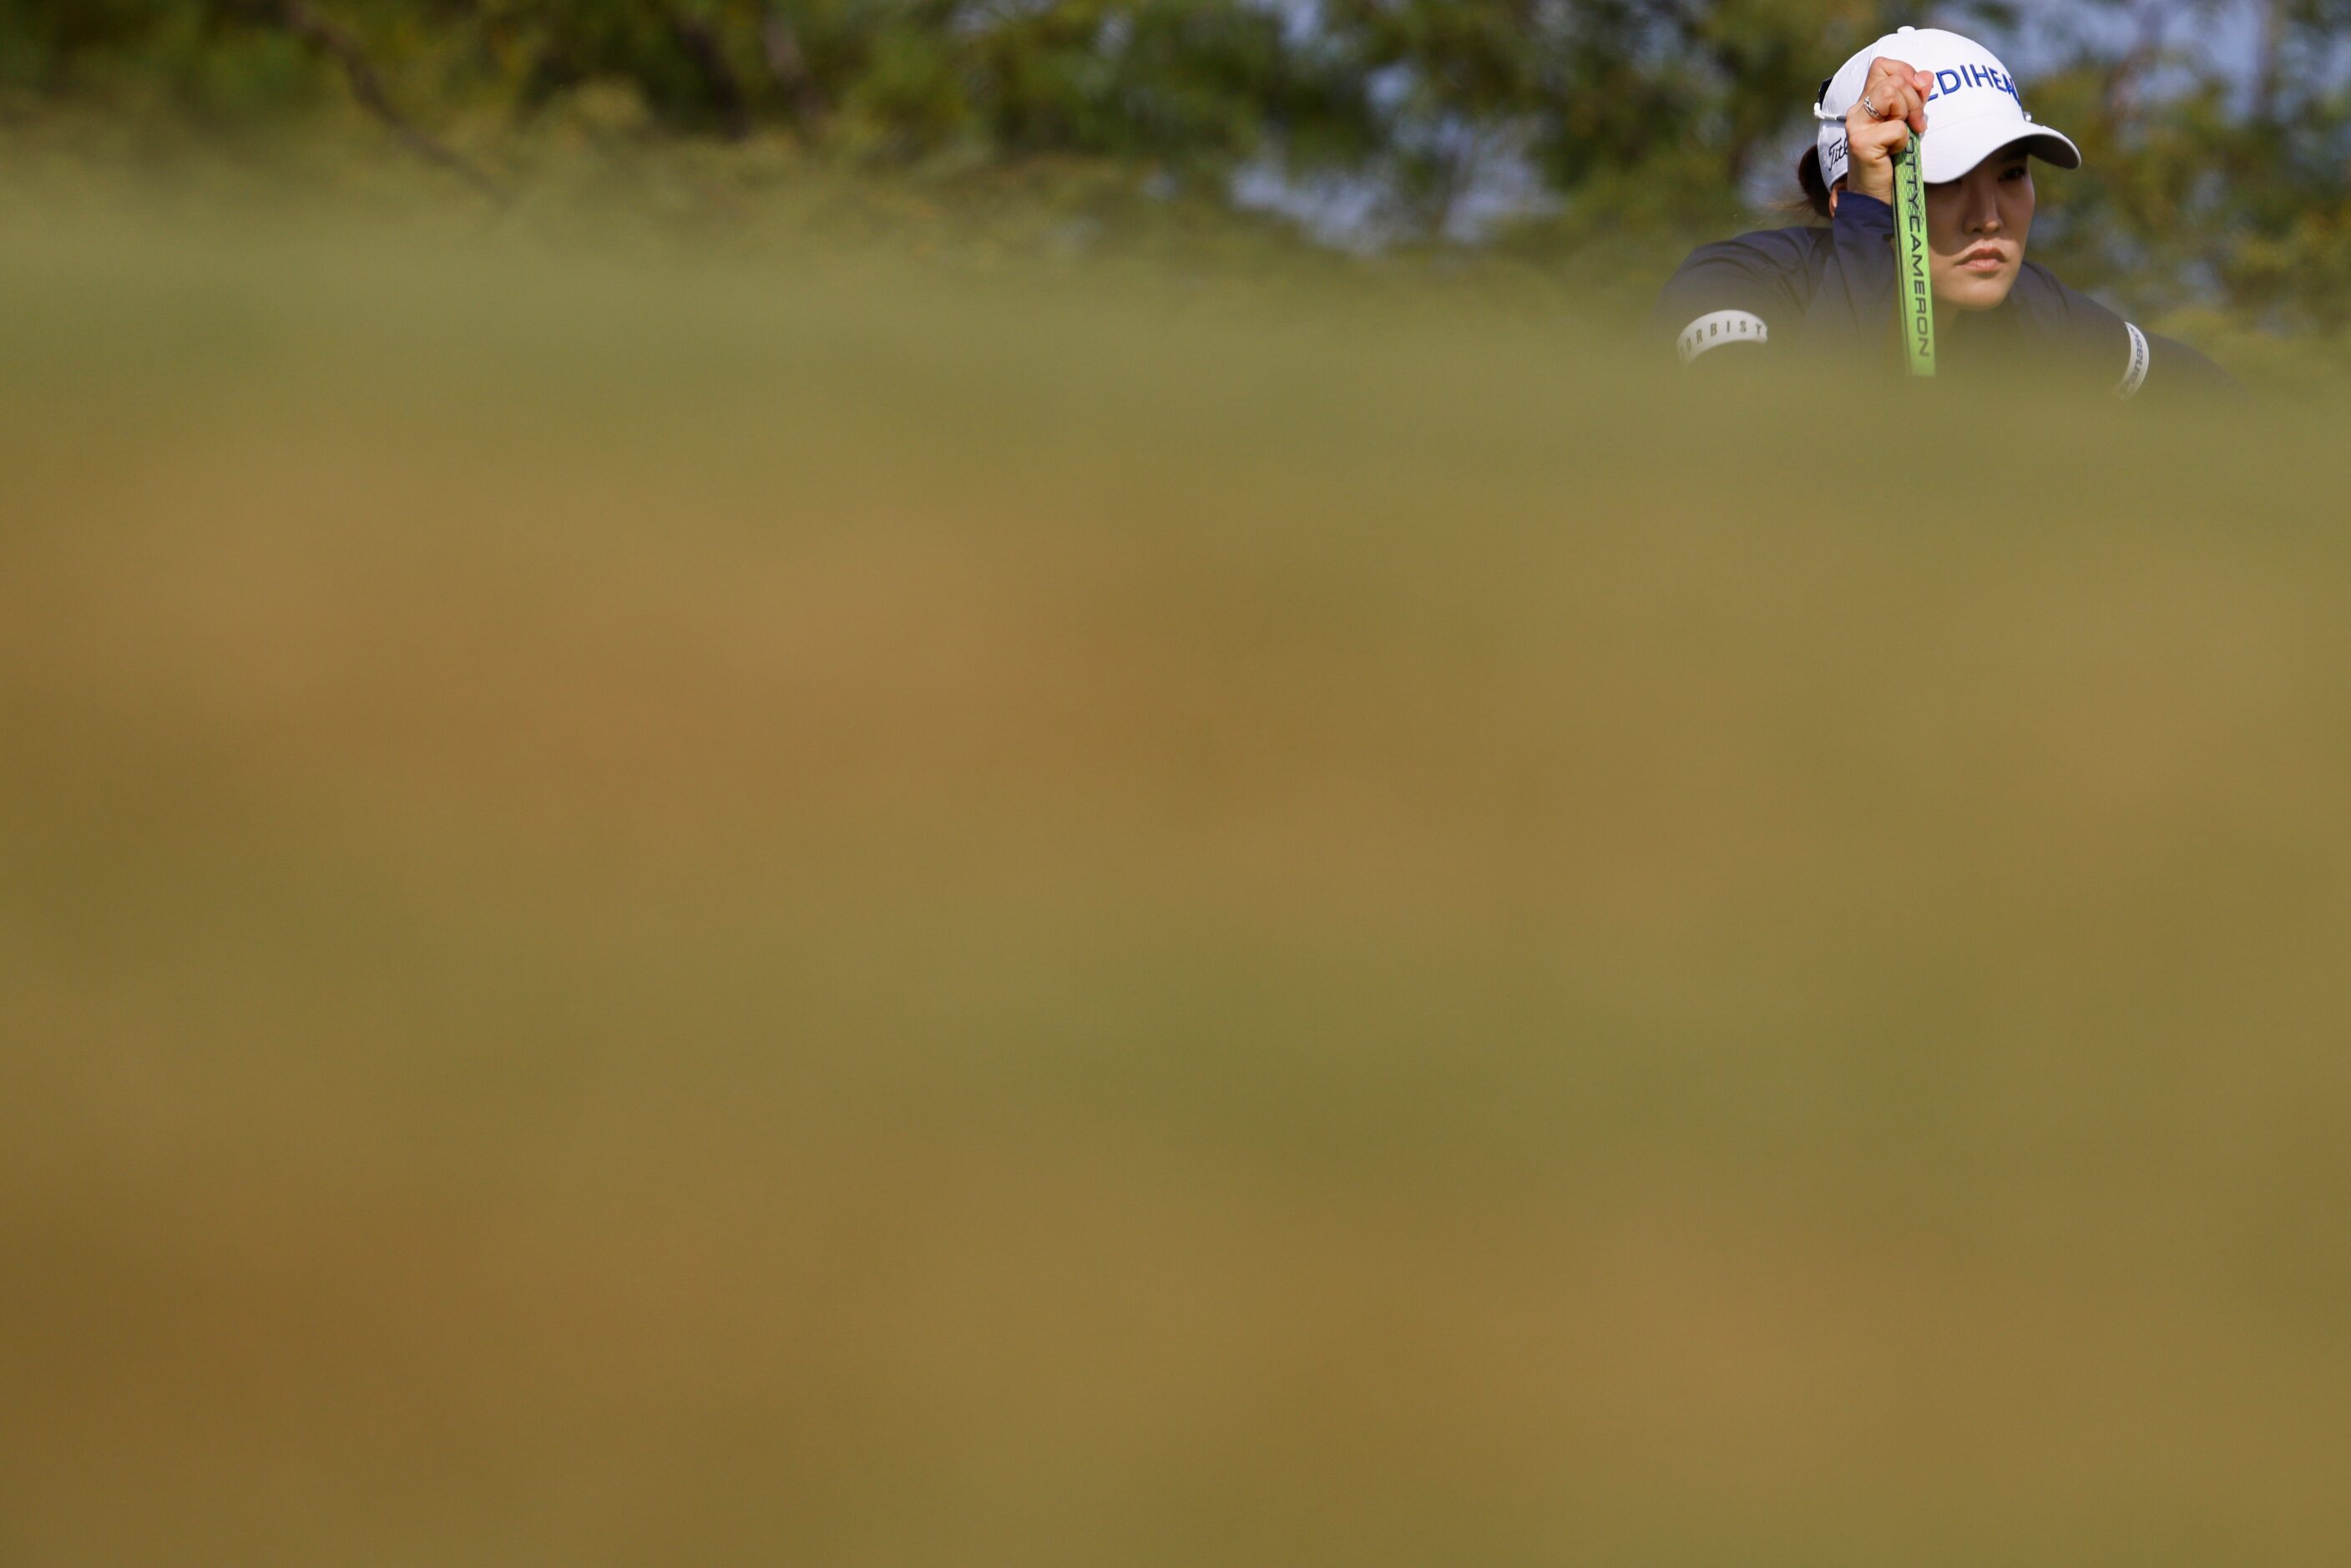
1800,290
2178,374
2111,352
1853,306
1729,300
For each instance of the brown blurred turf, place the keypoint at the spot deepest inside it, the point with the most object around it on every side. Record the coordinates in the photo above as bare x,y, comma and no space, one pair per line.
833,912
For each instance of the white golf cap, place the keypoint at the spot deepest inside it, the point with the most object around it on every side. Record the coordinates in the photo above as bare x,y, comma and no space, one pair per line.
1974,111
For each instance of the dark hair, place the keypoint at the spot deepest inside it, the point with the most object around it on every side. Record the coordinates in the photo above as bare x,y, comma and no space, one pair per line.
1815,199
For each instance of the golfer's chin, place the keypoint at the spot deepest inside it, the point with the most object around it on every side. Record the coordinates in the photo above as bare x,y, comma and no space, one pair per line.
1968,290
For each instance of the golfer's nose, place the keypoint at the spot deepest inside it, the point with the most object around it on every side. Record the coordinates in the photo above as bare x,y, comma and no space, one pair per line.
1983,207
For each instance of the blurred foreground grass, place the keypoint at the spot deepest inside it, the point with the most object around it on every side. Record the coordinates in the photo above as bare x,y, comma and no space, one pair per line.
799,911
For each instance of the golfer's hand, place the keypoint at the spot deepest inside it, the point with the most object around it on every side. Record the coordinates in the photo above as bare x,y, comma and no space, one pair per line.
1899,95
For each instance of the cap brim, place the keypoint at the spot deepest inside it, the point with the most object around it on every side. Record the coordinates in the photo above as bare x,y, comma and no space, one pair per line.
1952,152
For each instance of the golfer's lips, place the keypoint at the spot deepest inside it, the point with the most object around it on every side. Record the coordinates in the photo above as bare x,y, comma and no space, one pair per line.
1984,258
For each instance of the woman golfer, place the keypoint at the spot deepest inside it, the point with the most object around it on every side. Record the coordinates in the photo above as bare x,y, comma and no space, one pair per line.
1813,290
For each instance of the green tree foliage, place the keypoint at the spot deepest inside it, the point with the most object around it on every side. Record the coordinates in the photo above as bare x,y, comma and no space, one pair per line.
2203,188
1666,117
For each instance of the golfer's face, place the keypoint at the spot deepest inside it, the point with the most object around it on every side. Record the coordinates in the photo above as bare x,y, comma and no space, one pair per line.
1976,227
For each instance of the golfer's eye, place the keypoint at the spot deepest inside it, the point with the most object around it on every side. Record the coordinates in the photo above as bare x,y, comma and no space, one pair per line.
2013,173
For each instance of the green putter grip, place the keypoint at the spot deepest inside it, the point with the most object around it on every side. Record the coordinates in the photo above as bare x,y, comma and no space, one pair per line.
1916,277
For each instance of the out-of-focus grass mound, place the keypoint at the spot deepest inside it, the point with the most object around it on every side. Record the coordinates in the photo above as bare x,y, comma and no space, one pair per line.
799,909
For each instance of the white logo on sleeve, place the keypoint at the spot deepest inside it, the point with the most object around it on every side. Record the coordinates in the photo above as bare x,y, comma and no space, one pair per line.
1709,332
2141,357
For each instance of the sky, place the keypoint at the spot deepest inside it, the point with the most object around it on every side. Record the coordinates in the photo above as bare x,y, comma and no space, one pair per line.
2226,40
1352,211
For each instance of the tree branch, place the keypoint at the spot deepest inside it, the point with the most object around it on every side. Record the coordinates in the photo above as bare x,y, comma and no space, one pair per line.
701,47
2269,67
330,38
789,66
2121,95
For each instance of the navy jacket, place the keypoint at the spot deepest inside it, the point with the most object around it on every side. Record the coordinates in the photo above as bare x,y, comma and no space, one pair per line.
1831,291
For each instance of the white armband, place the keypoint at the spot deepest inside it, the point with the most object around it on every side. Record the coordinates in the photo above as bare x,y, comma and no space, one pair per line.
2141,357
1722,326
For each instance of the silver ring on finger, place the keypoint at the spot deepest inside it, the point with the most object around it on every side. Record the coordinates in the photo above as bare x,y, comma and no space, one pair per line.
1872,108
